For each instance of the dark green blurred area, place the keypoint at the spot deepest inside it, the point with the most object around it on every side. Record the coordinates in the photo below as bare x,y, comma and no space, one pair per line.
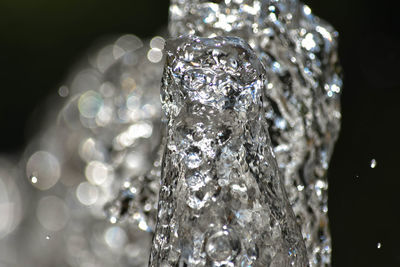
41,40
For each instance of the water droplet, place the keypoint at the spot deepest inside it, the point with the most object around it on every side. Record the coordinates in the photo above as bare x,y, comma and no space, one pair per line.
379,245
154,55
97,172
52,213
218,246
87,193
90,103
222,246
115,237
157,42
373,163
45,166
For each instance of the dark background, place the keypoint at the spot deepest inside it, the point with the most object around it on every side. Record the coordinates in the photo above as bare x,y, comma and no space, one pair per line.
40,40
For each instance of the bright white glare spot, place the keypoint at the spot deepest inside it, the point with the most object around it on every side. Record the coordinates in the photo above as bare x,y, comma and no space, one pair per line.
307,10
87,193
133,190
373,163
115,237
141,222
320,184
335,88
325,208
154,55
127,184
379,245
97,173
276,67
143,130
138,130
46,170
324,33
280,123
47,237
248,9
308,43
143,226
174,9
157,42
273,17
34,179
52,213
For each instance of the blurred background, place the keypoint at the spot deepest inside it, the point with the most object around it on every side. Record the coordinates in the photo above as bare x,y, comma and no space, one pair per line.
41,40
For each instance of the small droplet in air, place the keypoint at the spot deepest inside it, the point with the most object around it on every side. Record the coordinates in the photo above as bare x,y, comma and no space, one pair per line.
379,245
373,163
47,237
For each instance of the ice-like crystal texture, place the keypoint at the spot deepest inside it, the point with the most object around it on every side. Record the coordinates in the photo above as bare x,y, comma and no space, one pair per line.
303,85
222,199
108,141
